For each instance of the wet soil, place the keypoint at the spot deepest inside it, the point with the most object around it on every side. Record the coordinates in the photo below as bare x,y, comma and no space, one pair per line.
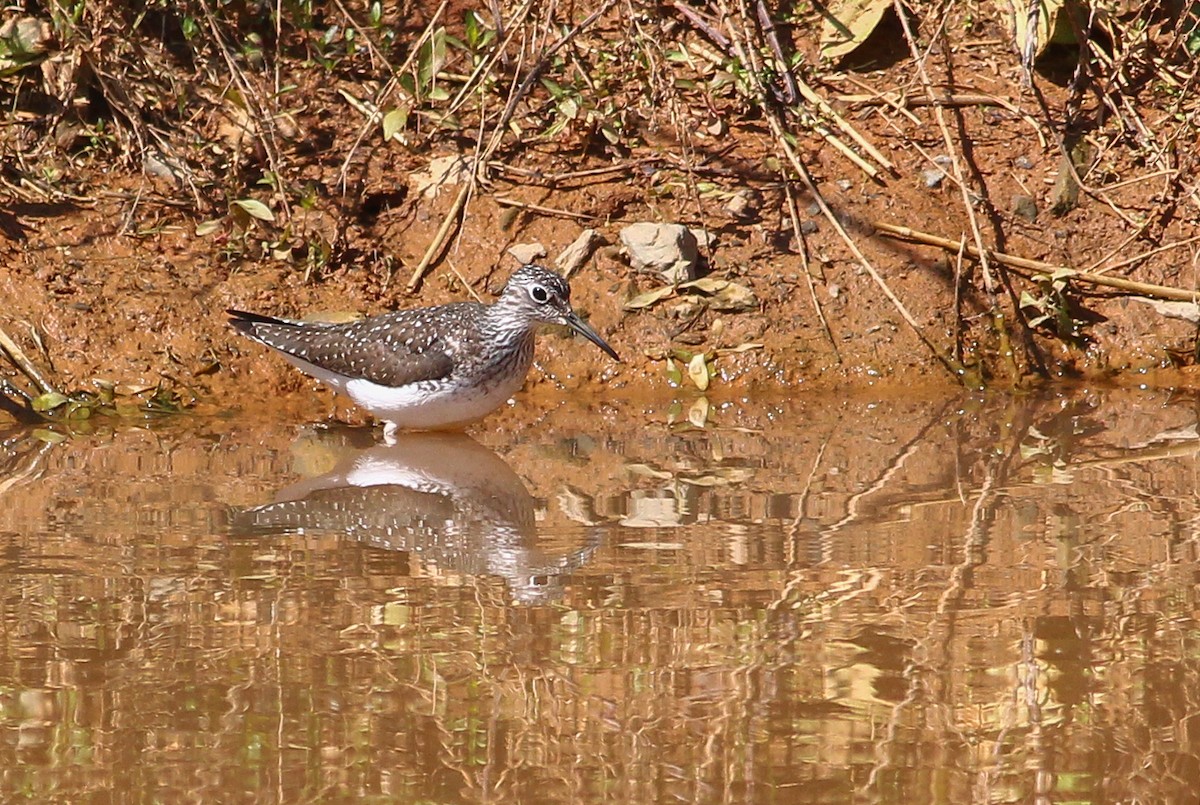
119,286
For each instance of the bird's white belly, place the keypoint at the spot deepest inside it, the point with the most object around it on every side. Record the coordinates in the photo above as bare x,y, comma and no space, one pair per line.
420,407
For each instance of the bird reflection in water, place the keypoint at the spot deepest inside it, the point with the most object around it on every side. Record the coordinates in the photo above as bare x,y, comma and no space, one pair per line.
442,496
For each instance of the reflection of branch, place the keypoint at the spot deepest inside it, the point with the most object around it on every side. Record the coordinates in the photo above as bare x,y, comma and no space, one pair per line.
889,471
26,466
9,396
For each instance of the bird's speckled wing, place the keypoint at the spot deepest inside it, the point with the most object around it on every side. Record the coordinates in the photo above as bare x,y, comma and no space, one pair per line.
394,349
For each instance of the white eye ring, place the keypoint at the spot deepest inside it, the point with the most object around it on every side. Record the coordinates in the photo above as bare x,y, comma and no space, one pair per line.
539,294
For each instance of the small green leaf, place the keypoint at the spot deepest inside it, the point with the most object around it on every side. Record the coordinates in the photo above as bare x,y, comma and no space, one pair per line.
46,435
48,402
394,122
674,376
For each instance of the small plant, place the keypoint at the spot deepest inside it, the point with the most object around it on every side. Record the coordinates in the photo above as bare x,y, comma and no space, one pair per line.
1051,308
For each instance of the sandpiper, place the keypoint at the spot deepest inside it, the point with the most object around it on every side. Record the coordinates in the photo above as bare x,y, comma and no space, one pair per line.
428,368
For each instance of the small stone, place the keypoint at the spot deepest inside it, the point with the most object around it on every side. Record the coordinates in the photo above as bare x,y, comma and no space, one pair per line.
933,176
1024,206
808,226
835,291
738,207
571,258
527,253
844,184
1023,162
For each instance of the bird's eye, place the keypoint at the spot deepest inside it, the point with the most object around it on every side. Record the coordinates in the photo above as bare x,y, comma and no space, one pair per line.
539,294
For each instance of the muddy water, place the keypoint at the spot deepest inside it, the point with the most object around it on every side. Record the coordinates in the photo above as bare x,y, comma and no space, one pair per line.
814,601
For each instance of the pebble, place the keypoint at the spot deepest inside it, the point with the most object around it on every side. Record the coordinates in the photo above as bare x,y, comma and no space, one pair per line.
1024,206
527,253
933,176
571,258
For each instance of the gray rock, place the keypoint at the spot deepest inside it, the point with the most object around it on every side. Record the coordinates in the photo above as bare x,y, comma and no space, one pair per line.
571,258
527,253
1188,311
668,249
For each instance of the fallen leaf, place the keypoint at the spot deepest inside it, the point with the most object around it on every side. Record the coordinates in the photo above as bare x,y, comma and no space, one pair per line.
649,298
740,348
255,209
709,285
207,227
848,23
734,298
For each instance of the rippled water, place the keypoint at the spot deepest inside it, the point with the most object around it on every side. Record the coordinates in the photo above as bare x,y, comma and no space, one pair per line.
970,600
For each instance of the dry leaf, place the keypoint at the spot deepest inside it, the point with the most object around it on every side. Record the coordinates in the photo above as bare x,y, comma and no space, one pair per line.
734,298
647,299
848,23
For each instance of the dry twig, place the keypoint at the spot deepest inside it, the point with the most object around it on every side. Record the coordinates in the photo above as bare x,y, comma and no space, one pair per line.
1013,261
22,362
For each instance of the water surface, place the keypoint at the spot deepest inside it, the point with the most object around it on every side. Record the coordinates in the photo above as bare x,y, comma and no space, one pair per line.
951,600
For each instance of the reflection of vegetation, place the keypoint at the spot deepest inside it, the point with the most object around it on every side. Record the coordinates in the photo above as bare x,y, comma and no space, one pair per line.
802,635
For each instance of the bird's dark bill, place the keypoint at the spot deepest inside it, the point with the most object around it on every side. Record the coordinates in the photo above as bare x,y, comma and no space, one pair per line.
578,325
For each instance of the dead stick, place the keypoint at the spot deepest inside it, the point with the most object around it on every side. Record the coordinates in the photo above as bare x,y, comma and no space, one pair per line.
812,97
439,239
17,356
511,202
1116,283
